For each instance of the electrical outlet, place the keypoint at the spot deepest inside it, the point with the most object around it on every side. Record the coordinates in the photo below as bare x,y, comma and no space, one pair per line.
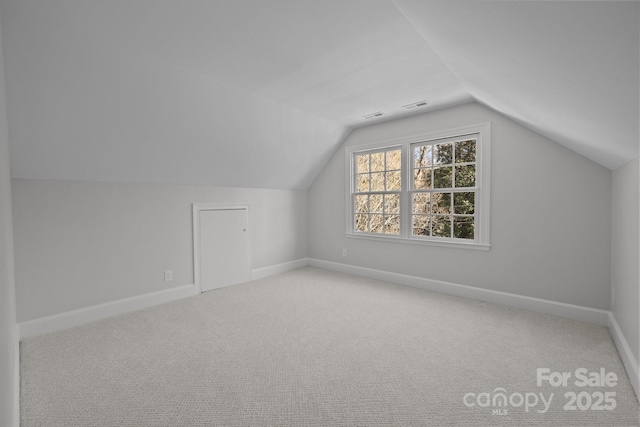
168,275
344,252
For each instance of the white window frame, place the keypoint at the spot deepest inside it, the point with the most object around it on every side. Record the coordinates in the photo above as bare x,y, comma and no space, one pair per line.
482,133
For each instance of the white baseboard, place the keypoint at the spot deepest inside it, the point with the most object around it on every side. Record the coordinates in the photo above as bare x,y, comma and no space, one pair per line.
553,308
260,273
57,322
89,314
569,311
628,359
16,377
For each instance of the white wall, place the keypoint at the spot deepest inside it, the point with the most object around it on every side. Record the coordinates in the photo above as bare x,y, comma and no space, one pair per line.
625,252
7,285
80,244
7,289
550,217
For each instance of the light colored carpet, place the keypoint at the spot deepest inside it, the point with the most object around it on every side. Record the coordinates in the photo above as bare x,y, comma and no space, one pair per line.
316,348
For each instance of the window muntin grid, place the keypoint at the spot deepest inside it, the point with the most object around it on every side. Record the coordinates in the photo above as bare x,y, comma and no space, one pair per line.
377,195
443,188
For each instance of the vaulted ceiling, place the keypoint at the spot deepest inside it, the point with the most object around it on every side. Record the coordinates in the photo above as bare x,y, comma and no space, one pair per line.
260,93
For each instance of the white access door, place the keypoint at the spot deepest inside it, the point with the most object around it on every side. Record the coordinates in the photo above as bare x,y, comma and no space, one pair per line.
224,248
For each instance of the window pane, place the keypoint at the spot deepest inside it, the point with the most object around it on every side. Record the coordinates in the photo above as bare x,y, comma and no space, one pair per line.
443,154
362,163
376,223
362,223
394,160
466,151
441,203
391,224
422,156
421,203
442,177
377,181
463,227
463,203
394,181
422,179
392,203
362,182
421,225
377,161
375,203
466,176
442,191
362,204
441,226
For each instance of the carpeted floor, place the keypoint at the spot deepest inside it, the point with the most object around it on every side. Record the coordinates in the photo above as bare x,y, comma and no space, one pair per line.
318,348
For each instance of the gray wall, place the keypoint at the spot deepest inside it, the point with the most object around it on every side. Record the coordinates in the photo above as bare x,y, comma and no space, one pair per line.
79,244
625,252
550,216
7,287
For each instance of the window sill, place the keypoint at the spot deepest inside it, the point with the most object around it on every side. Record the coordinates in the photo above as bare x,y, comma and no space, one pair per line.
402,240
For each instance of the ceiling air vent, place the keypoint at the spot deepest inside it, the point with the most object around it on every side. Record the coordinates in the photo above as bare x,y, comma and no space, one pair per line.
415,105
373,115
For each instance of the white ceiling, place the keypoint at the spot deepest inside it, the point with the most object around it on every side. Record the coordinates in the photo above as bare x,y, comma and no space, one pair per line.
568,69
260,93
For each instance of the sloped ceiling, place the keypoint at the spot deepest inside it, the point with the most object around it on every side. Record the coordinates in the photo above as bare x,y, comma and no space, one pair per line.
260,93
569,70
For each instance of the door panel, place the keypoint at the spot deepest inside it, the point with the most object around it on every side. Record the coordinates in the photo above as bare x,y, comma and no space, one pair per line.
224,248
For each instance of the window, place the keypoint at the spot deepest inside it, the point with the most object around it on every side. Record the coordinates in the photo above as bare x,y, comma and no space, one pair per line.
429,189
378,183
443,188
